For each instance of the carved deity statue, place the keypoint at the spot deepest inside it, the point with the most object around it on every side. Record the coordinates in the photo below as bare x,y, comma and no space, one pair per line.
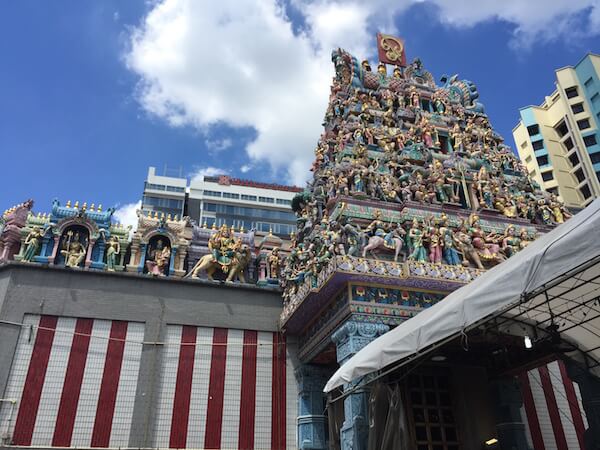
73,251
113,248
32,244
274,263
160,256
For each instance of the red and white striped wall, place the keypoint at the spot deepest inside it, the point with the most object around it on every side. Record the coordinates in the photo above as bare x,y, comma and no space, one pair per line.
73,382
226,388
552,409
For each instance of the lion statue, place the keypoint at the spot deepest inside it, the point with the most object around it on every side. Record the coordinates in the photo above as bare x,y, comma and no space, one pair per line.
235,269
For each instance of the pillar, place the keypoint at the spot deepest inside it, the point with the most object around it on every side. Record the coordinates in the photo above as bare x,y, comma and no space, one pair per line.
507,401
171,270
349,339
88,256
142,258
52,258
589,387
312,419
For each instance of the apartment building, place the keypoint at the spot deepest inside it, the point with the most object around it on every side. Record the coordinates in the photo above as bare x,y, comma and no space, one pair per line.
559,141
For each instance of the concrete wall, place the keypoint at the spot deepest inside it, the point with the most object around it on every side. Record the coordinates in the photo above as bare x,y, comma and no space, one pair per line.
31,289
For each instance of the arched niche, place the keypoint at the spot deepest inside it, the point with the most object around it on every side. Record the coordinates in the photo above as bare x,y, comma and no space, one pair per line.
73,246
158,255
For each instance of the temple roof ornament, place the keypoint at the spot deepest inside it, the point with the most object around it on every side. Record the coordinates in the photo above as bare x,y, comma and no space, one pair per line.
410,182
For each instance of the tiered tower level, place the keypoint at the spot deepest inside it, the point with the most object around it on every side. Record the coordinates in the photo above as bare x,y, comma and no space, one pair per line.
413,195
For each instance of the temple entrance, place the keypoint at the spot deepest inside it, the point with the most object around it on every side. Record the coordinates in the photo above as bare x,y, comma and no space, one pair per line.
430,412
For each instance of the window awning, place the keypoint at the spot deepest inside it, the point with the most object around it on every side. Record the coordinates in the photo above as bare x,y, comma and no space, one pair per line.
553,285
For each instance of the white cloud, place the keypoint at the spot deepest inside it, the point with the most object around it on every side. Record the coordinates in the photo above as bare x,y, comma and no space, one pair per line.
127,214
533,20
202,172
239,63
217,145
246,168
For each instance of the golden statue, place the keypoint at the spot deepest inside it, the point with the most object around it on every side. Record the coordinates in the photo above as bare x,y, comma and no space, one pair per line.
74,251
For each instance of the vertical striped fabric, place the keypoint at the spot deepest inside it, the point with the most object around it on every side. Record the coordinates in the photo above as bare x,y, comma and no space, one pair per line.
238,391
552,410
73,382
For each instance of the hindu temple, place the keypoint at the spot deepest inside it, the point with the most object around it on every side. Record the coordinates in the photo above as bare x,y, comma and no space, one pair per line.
413,195
177,334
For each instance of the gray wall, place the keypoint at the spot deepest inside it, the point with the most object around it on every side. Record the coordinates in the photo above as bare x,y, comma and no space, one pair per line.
32,289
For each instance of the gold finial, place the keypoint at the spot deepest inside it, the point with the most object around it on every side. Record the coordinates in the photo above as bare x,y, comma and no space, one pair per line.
271,231
232,229
39,214
68,205
162,215
176,218
168,216
214,226
149,215
92,207
242,229
99,208
204,225
76,206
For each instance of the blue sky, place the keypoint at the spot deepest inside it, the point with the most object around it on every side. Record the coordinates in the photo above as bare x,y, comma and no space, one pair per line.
94,92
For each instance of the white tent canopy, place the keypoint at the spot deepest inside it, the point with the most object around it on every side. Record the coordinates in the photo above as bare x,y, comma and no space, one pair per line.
554,281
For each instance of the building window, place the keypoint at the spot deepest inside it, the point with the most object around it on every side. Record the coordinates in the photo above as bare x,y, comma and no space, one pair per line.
595,157
212,193
598,175
533,129
589,140
542,160
574,159
568,143
580,175
163,202
589,83
561,129
585,191
156,187
571,92
583,124
175,189
266,199
251,198
212,207
595,100
553,190
547,176
528,159
538,145
230,195
283,201
577,108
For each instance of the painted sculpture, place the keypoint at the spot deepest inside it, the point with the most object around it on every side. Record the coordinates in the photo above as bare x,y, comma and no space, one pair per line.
227,253
159,245
12,222
70,236
426,157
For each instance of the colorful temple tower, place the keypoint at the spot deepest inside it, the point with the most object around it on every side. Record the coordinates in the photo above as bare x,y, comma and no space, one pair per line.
413,195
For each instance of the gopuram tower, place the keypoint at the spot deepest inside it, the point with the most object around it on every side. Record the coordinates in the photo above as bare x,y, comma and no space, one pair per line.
413,195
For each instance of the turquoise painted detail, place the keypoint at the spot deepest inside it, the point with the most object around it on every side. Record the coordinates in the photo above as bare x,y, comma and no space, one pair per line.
528,118
590,84
349,338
